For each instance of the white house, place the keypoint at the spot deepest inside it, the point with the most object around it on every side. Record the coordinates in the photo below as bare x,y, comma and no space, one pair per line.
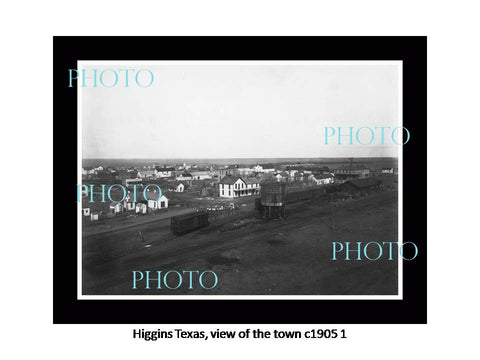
141,207
164,172
154,202
235,186
279,177
146,174
292,173
116,207
387,170
321,179
176,186
161,203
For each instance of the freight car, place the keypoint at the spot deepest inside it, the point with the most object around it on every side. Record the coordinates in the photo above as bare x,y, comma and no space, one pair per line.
183,224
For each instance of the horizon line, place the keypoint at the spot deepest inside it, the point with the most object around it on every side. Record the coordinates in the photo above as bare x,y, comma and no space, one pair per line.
253,158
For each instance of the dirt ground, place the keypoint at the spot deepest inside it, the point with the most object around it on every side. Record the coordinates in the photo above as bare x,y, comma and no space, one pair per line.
291,256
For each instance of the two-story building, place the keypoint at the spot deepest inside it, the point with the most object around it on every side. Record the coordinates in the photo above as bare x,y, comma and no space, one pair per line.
352,171
235,186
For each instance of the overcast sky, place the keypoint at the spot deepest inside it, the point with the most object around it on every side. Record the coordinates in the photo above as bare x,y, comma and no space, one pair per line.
238,111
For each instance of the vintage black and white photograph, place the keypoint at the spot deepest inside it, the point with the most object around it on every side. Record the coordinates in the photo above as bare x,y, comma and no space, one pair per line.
240,179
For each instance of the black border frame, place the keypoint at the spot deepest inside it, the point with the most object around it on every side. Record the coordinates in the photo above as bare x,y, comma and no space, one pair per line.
67,309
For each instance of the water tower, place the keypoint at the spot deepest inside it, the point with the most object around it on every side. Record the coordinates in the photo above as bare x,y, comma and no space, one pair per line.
272,200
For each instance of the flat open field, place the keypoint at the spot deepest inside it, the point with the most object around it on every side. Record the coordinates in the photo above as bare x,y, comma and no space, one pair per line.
291,256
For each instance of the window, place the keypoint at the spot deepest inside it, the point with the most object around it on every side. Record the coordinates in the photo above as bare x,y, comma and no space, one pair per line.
162,204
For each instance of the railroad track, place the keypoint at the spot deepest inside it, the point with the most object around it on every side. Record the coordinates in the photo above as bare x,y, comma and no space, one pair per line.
107,256
197,251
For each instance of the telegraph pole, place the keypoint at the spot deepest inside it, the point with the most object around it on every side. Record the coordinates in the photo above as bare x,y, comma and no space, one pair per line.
332,212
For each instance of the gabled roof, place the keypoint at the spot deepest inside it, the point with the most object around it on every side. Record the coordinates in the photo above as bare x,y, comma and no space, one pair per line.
152,195
172,184
230,180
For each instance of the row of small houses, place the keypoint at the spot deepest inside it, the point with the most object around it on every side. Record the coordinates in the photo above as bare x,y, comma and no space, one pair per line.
318,178
156,173
185,176
97,209
291,173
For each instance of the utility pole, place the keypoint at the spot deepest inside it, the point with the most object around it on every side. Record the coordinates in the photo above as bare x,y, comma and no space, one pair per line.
332,207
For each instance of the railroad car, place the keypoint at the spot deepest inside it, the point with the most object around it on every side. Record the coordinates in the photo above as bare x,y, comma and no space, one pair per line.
182,224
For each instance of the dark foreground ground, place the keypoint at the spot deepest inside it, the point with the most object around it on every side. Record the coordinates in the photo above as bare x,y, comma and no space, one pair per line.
292,256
